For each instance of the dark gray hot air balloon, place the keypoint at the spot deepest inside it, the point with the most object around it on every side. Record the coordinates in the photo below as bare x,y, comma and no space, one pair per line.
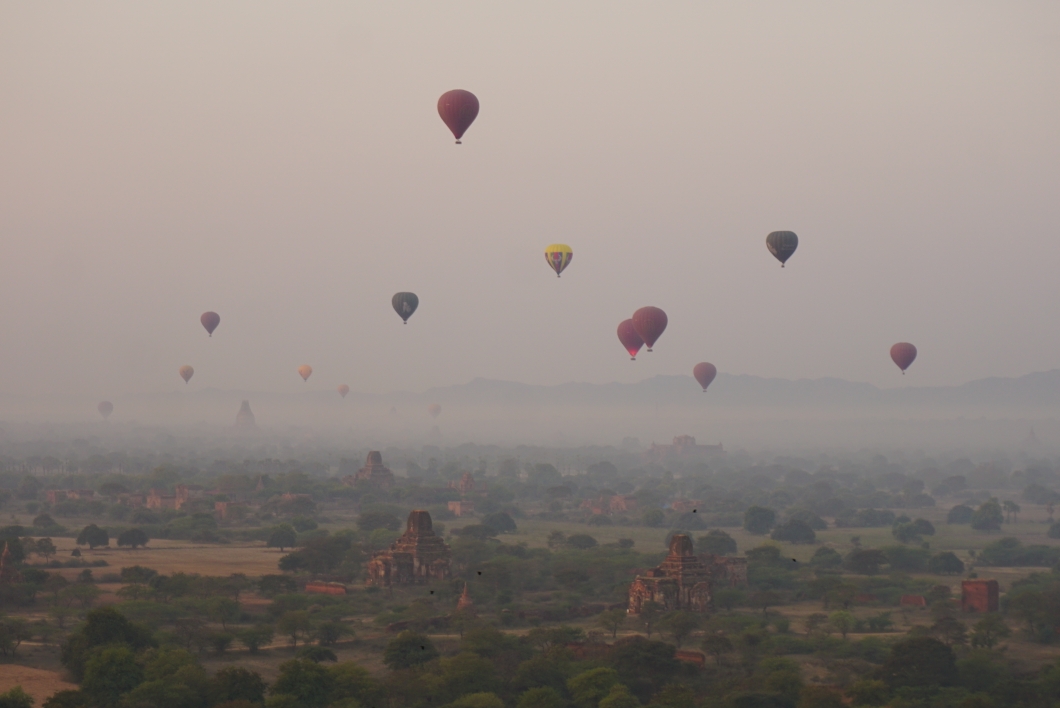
782,245
405,304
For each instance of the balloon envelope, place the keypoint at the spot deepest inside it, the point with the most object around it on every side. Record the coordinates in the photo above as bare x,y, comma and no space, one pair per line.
434,409
704,373
305,371
903,354
343,390
405,304
558,256
105,408
210,320
458,109
186,372
631,341
782,244
650,323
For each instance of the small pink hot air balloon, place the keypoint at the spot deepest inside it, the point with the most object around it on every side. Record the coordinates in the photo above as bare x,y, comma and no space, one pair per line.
305,371
704,374
343,390
105,408
434,409
629,338
186,372
210,320
458,110
903,354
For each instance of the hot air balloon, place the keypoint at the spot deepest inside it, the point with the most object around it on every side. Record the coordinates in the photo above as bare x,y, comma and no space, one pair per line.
186,372
405,304
629,338
343,390
105,408
210,320
558,256
305,371
458,109
903,354
704,374
650,323
782,244
434,409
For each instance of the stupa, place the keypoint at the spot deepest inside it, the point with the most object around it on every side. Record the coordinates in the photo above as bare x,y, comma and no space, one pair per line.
419,556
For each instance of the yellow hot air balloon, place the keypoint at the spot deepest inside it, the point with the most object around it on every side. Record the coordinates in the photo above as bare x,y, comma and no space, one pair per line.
558,256
343,390
186,372
305,371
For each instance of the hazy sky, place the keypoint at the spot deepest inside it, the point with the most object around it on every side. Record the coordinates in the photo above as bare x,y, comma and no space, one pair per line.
284,164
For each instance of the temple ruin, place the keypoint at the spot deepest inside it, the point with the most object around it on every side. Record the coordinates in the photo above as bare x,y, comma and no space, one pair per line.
374,472
419,556
685,581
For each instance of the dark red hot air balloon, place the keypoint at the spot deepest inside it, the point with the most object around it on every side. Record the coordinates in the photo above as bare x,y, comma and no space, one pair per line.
458,109
210,320
650,323
629,338
903,354
704,374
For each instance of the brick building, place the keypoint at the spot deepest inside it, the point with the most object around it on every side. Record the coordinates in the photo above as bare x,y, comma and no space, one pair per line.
374,472
979,595
419,556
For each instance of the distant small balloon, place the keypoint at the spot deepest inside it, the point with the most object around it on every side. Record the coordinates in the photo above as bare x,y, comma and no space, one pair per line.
903,354
210,320
650,323
631,341
782,245
458,110
405,305
305,371
558,256
105,408
704,373
434,409
186,372
343,390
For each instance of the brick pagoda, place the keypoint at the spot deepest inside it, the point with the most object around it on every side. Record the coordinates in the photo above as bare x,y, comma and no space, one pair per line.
419,556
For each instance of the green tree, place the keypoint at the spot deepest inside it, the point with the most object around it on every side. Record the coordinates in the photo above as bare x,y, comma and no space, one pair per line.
294,624
541,697
759,519
794,531
93,536
945,563
371,520
588,687
820,697
16,698
282,536
919,662
581,541
868,692
253,638
717,645
353,682
989,631
843,621
653,518
674,695
612,620
307,681
234,683
717,542
866,561
46,549
619,697
650,614
409,650
680,625
825,557
960,514
110,673
133,538
988,517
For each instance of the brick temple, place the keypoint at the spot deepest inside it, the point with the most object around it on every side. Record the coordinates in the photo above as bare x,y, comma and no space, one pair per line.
419,556
374,472
979,595
685,581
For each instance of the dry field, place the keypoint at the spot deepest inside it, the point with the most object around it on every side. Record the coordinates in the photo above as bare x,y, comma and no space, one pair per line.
168,557
39,683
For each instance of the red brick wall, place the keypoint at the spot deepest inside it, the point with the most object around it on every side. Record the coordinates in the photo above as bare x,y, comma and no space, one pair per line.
979,595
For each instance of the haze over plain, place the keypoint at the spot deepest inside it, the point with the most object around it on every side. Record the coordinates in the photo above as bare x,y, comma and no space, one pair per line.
285,166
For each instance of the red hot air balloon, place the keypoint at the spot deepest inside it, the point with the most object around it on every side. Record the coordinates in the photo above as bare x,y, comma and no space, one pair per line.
458,110
704,374
629,338
105,408
210,320
434,409
650,323
903,354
